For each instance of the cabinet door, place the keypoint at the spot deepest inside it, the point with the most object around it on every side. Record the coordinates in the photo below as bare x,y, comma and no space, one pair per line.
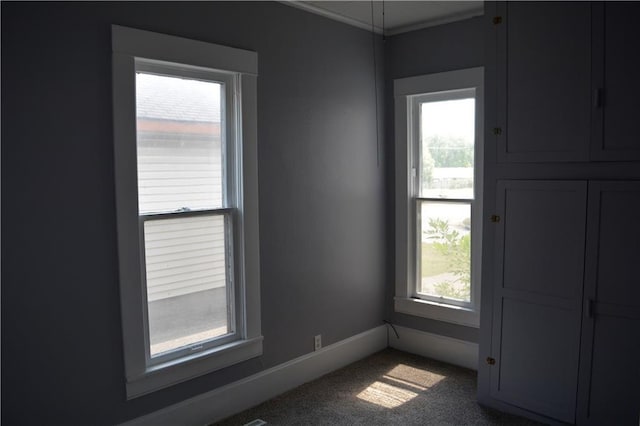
617,64
544,70
609,390
537,299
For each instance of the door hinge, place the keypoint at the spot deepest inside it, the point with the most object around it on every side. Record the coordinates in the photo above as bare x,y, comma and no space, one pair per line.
494,218
491,361
497,20
497,131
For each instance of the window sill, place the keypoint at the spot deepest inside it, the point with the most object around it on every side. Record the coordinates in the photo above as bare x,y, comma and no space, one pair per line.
438,311
176,371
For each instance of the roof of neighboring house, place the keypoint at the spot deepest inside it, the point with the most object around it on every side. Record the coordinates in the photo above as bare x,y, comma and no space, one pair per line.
179,99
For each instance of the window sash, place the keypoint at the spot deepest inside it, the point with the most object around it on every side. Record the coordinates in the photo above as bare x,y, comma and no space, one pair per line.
417,212
233,314
414,135
229,115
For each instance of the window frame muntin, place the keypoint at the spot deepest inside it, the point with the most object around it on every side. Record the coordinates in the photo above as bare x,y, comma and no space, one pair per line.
405,300
127,44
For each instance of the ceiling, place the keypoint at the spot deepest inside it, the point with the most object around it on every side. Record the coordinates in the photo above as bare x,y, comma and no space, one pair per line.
399,16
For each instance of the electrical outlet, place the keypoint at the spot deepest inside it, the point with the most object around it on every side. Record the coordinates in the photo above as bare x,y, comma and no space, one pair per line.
317,341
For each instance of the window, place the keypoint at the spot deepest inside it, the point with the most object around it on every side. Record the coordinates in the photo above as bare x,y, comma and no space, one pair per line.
439,194
186,188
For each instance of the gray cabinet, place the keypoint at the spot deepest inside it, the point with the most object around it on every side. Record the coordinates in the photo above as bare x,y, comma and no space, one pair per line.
544,75
567,81
538,295
560,312
609,391
566,300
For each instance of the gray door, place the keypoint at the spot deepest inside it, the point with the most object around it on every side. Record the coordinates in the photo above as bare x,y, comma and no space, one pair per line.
617,63
544,70
540,241
610,366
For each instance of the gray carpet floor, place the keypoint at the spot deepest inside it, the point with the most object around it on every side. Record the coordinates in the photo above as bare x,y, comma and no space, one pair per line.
387,388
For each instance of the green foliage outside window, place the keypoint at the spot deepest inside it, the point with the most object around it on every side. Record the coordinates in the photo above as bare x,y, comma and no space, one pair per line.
456,250
450,151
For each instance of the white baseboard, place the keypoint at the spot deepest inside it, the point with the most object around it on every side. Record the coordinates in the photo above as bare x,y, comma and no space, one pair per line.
253,390
442,348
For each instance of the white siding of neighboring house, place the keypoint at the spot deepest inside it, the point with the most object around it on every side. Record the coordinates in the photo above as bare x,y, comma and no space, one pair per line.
184,256
177,174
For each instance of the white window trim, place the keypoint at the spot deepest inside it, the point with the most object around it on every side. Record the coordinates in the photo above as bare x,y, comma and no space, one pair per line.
128,44
405,300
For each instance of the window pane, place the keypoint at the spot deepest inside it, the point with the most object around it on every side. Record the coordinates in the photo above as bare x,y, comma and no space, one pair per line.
445,246
180,157
447,130
186,281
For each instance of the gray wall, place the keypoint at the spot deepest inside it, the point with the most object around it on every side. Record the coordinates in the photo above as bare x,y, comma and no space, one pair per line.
322,197
443,48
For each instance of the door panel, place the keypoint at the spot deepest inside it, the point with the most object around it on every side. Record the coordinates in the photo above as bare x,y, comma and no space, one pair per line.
610,368
548,263
538,343
619,246
620,139
546,75
615,378
540,249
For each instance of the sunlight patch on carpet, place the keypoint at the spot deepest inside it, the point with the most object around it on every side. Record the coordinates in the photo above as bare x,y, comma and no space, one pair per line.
404,383
386,395
423,379
399,385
